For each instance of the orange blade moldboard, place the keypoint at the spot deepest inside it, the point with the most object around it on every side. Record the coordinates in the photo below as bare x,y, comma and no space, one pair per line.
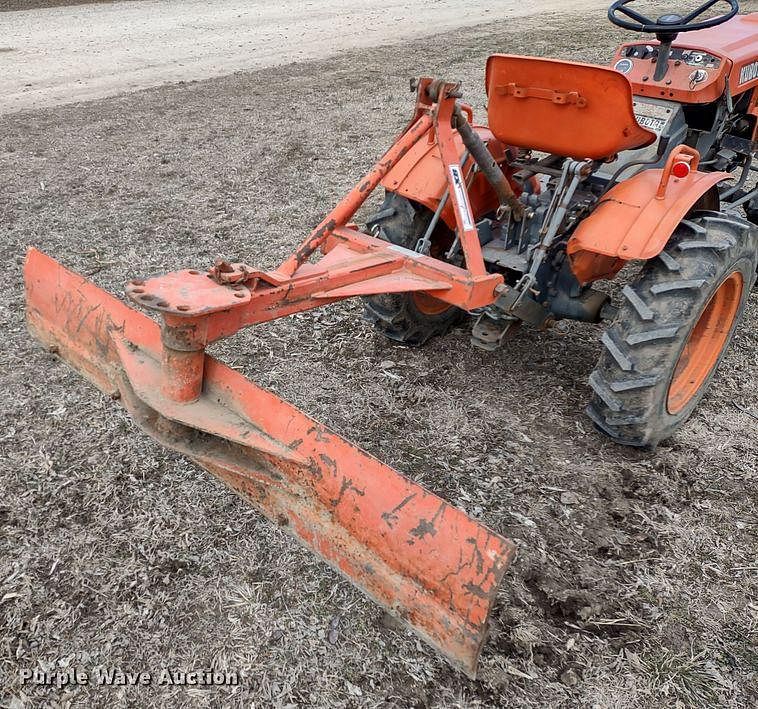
420,558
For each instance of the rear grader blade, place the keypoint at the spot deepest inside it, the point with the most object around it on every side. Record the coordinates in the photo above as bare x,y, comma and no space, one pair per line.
423,560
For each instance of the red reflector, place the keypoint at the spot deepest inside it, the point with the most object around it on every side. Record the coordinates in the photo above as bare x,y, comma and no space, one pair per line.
680,169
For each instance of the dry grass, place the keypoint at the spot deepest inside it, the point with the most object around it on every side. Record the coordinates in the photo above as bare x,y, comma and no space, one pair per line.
640,591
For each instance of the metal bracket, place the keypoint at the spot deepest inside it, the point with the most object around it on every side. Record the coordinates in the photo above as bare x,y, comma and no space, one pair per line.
187,293
559,97
520,304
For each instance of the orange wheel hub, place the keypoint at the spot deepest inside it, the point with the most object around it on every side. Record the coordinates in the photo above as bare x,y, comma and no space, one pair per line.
428,305
705,343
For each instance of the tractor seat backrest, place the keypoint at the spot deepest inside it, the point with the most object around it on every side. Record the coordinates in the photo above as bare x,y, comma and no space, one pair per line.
565,108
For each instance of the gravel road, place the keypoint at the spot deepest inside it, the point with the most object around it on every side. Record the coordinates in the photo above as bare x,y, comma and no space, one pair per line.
82,52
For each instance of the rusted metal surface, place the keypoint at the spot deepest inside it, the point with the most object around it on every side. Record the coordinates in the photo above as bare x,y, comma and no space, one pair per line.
420,558
413,553
186,293
182,374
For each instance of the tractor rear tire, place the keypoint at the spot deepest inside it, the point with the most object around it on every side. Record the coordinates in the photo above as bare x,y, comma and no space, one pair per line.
410,319
676,322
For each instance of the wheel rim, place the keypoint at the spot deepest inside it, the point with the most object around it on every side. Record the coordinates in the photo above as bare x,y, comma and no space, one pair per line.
428,305
705,343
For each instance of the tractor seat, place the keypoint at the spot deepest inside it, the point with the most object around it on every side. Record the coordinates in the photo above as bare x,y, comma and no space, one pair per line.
564,108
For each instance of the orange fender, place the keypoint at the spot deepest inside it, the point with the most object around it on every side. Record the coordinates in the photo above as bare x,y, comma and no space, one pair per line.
636,218
420,176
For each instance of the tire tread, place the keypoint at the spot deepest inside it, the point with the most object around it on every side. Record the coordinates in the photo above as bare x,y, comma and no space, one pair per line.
659,309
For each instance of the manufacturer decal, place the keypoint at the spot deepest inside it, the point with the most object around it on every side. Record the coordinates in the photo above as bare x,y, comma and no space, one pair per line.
459,187
749,72
651,122
624,65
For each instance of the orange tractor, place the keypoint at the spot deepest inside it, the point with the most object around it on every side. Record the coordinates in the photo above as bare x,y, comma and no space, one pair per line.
581,170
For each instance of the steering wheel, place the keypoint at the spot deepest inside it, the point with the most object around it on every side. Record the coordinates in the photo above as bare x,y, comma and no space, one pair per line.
668,25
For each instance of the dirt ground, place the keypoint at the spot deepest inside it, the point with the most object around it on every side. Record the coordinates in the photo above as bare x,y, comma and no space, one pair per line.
639,590
83,52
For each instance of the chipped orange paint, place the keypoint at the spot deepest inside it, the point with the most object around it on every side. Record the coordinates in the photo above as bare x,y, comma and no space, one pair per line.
183,380
417,556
